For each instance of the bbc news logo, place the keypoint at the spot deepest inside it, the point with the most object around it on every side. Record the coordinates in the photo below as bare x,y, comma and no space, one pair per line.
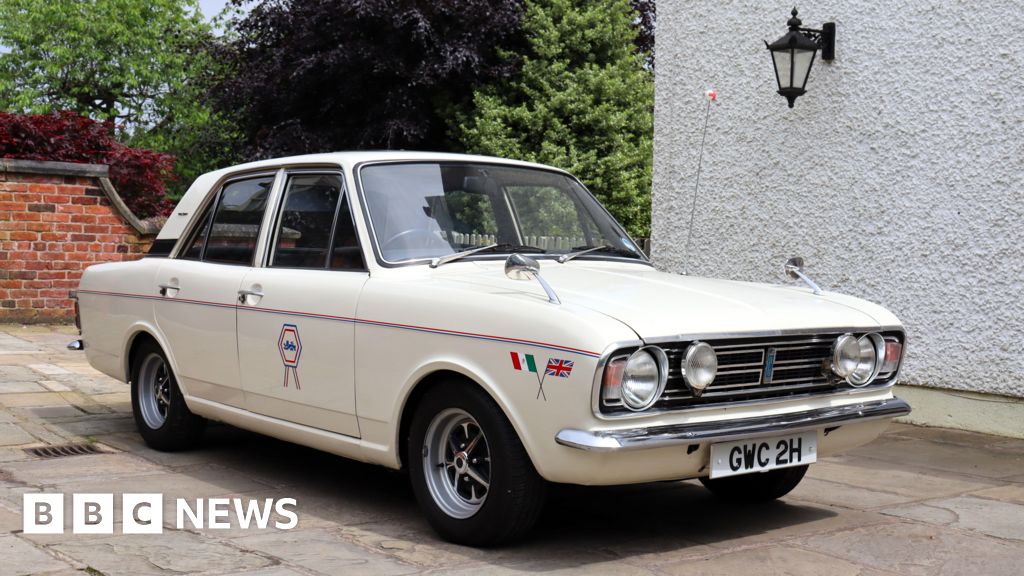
144,513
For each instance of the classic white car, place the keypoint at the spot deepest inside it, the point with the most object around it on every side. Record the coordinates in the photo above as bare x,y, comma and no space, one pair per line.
484,324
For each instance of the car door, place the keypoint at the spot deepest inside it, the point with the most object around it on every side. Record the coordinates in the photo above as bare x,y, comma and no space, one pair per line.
295,326
199,289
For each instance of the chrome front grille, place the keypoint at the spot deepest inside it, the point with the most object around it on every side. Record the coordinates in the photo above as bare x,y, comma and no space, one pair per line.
800,365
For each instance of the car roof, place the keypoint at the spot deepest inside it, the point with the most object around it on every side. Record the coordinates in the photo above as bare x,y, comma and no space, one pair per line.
352,158
198,191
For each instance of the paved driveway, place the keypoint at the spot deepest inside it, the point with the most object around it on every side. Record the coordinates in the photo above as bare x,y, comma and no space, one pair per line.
917,501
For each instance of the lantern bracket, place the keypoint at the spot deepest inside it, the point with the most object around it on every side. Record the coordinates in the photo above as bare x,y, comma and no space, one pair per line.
824,38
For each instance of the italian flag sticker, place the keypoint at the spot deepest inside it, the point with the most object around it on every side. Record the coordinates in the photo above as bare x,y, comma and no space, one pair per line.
524,362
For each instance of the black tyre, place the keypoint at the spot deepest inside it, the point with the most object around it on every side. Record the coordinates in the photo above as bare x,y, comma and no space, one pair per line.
161,416
757,487
470,473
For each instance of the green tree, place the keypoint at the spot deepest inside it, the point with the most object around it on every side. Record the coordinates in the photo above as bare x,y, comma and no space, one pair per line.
109,59
583,101
200,137
142,65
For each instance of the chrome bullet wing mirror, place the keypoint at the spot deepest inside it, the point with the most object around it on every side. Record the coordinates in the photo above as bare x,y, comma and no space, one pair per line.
519,267
795,269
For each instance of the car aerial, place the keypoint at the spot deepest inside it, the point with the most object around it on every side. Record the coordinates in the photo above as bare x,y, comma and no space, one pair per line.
484,324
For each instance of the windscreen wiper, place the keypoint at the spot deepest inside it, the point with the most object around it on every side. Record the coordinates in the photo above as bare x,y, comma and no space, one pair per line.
588,249
442,260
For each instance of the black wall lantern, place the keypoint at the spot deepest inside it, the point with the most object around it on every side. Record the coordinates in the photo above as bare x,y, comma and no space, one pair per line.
793,55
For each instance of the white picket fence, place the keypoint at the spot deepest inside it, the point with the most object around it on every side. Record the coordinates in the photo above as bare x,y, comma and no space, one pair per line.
545,242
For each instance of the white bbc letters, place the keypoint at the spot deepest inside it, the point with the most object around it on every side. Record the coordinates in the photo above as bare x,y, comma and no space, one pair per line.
42,514
92,513
142,513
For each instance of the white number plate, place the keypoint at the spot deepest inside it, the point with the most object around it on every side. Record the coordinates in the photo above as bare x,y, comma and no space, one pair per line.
761,454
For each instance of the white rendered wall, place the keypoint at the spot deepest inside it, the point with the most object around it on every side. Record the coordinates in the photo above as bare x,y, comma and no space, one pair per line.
898,176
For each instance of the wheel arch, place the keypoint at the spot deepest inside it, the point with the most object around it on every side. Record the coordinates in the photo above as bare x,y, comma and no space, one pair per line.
430,380
138,334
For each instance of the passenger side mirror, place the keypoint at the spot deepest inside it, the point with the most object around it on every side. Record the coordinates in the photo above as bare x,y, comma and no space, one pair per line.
519,267
795,269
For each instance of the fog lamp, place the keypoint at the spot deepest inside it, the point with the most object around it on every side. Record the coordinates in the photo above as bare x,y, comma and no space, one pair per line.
700,366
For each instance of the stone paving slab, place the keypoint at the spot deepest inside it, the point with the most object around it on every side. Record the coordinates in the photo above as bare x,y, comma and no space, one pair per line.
917,501
55,412
20,386
1008,493
324,552
32,399
855,497
984,462
606,568
20,557
13,435
58,471
9,521
159,554
905,481
992,517
921,550
783,560
49,369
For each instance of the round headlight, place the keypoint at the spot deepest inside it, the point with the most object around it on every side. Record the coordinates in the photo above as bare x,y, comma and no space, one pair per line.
871,350
845,355
643,377
700,367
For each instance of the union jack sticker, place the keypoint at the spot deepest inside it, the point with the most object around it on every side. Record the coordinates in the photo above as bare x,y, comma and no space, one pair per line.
558,368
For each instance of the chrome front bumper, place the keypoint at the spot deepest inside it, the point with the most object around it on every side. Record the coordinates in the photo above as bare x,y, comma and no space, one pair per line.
723,430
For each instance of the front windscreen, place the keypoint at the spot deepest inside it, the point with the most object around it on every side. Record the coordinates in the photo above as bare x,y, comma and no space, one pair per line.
420,211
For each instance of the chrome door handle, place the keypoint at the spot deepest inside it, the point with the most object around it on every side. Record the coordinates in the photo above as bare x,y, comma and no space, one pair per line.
165,287
243,294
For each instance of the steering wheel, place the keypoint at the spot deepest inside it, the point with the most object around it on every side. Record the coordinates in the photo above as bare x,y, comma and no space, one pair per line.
418,237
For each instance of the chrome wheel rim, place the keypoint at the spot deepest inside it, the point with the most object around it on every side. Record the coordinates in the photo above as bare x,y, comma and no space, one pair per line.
457,463
154,390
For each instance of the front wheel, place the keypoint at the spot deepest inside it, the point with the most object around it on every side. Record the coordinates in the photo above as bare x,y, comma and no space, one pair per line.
161,415
469,471
756,487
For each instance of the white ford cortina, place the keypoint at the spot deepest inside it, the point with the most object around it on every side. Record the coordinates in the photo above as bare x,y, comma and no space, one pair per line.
484,324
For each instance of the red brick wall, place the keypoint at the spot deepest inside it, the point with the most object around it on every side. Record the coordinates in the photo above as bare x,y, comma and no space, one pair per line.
52,228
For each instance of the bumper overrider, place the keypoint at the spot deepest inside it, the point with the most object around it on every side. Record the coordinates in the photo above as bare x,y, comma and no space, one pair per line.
725,430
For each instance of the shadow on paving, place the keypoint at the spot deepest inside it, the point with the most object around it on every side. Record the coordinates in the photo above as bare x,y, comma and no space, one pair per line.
372,505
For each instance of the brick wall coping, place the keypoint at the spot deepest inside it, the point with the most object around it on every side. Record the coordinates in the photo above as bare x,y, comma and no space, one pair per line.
100,172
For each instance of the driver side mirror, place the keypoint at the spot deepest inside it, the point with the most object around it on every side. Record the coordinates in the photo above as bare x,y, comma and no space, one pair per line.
794,267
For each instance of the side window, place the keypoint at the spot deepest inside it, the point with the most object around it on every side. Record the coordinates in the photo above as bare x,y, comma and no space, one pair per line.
236,223
346,253
303,235
195,245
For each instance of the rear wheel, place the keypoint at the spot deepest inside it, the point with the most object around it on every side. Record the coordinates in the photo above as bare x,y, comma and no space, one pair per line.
757,487
469,471
161,415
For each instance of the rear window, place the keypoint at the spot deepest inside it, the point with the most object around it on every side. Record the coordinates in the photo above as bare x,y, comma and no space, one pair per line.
236,222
